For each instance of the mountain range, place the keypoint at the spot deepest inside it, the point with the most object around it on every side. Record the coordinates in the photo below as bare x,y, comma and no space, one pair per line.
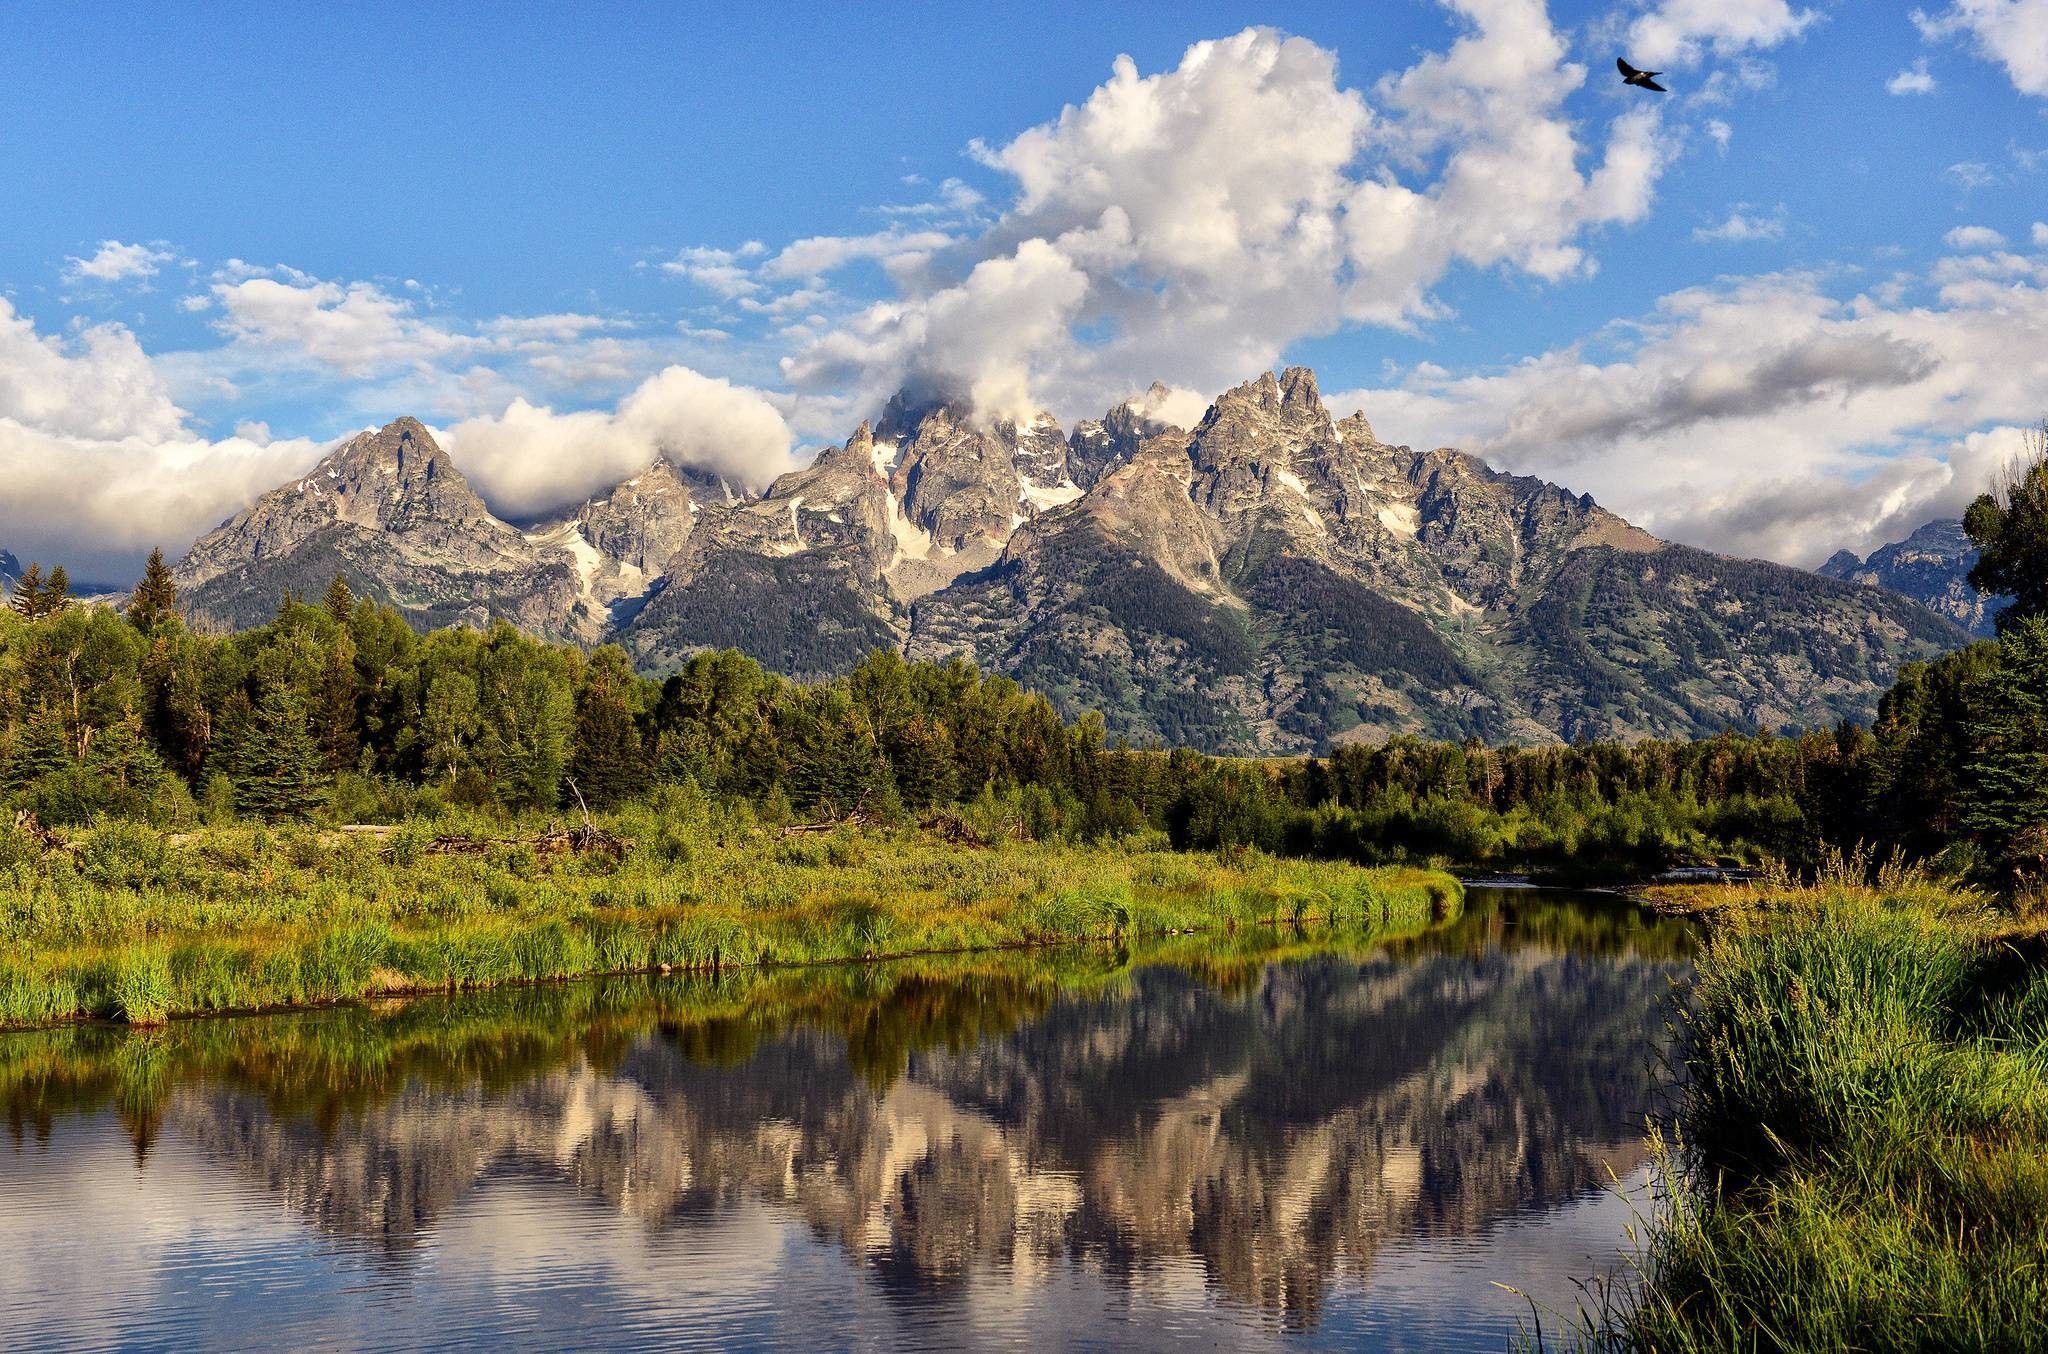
1272,580
1931,566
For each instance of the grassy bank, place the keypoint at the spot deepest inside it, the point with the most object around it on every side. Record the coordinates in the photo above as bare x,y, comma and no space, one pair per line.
132,924
1860,1154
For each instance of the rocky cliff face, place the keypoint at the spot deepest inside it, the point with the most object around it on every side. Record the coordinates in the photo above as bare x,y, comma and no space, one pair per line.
1932,567
389,511
1273,580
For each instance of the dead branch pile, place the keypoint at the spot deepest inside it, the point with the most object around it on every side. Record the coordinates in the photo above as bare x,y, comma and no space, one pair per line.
31,827
953,829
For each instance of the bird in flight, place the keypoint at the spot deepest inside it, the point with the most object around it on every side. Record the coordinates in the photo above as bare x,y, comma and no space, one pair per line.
1640,79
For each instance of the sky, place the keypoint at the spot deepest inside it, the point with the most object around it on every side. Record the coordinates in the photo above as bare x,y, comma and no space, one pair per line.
1798,303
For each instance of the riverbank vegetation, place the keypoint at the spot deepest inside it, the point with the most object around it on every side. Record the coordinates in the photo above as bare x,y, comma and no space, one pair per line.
128,922
1859,1157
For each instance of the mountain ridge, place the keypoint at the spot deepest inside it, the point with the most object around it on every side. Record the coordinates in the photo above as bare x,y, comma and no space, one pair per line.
1932,567
1273,580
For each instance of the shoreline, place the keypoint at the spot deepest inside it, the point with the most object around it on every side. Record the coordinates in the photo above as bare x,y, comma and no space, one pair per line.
136,930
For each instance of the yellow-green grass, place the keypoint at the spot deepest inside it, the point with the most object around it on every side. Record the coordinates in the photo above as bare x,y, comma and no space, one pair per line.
1860,1153
340,1059
133,925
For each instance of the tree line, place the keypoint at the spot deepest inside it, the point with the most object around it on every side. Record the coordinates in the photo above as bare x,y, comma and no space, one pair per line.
339,709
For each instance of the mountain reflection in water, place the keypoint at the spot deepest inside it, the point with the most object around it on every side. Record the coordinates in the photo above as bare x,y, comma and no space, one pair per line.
1235,1139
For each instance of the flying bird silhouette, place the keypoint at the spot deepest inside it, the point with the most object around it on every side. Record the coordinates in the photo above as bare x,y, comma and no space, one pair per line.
1640,79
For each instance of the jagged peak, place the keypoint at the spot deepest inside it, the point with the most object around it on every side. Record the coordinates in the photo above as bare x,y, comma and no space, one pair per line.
1357,428
1298,386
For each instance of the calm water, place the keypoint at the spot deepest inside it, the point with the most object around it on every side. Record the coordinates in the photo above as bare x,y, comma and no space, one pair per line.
1238,1144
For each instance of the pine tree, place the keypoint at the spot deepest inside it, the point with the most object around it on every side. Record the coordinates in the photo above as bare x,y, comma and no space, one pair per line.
2009,527
57,592
340,600
28,593
2006,776
156,597
287,780
609,763
41,748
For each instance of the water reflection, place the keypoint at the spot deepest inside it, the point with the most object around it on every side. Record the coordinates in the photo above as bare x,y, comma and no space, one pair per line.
1205,1140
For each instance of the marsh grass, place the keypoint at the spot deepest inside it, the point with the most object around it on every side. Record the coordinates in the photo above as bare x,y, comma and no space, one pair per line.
1860,1153
135,926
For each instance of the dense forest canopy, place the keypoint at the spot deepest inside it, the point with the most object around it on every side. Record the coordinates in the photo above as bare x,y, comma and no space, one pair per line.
341,710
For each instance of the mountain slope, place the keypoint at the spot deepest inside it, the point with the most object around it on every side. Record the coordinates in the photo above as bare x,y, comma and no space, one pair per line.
1932,567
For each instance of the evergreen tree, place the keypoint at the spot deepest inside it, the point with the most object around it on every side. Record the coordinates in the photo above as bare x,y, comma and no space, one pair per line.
608,763
2007,773
42,747
277,770
340,600
27,600
57,592
156,596
2009,527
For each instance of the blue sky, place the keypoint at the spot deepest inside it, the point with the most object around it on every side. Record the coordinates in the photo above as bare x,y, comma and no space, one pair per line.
1802,307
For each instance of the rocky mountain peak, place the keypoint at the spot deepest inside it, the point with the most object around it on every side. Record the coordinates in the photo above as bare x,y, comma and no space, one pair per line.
1932,567
1356,429
1298,387
642,521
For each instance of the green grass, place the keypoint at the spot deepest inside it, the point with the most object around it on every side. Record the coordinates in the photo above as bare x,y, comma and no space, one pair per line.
1860,1153
136,926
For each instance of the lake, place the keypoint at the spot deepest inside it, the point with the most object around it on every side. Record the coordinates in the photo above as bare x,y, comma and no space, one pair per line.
1243,1141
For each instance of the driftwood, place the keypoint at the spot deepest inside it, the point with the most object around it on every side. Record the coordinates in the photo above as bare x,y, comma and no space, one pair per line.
953,829
858,818
31,827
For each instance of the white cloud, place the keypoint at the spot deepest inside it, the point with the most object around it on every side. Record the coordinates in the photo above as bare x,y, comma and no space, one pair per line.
2041,234
1973,239
954,197
725,273
1679,32
1720,133
98,463
117,262
1765,415
101,384
530,460
1743,226
1914,81
355,328
146,492
1188,225
828,253
2013,33
1970,175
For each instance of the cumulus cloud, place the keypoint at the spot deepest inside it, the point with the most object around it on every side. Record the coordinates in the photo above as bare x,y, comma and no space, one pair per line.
94,411
100,384
1680,32
2041,234
1766,415
146,492
356,328
1974,238
529,460
1744,225
1913,81
117,262
1188,225
2012,33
